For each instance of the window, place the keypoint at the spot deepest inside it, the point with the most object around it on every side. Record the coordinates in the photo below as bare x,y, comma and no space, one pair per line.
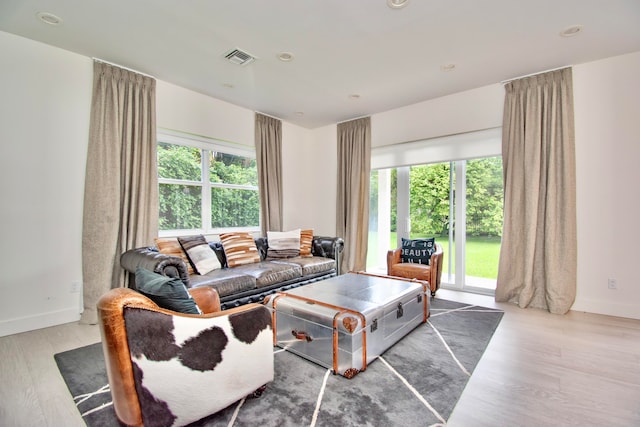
206,186
449,188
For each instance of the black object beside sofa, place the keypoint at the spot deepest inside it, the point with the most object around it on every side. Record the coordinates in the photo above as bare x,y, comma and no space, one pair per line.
248,283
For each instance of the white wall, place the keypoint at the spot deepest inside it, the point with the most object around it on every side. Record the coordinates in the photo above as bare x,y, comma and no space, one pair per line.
184,110
45,100
309,174
607,123
462,112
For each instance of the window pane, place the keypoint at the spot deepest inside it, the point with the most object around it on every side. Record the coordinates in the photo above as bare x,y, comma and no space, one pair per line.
382,218
429,201
179,162
231,169
180,207
484,221
234,208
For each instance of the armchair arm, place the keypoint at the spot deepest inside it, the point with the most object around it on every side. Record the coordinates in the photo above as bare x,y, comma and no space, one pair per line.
206,298
393,257
436,266
151,259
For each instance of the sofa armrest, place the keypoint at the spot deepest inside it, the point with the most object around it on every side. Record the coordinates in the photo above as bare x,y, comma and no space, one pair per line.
329,247
151,259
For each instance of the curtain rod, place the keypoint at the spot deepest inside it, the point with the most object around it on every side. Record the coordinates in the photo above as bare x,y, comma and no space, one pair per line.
504,82
268,115
355,118
120,66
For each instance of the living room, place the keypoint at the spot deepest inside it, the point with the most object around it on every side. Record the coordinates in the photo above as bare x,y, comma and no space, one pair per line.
46,95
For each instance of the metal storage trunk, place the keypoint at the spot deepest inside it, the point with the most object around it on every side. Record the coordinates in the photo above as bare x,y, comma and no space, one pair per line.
345,322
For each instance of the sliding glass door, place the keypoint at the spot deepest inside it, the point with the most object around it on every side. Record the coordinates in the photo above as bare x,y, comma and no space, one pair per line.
457,202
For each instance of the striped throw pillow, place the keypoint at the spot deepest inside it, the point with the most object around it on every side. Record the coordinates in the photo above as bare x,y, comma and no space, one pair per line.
239,248
283,244
306,239
171,246
202,257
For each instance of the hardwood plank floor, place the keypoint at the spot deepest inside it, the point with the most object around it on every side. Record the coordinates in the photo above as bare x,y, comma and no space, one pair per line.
539,369
542,369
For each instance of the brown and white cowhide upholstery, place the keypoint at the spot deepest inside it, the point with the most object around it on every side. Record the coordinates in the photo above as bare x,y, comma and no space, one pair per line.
186,368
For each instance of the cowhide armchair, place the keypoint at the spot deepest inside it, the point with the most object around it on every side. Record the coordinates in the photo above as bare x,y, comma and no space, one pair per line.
168,368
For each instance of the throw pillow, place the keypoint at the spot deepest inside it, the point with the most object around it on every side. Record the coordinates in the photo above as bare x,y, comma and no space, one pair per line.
200,253
166,292
417,251
171,246
283,244
239,248
306,240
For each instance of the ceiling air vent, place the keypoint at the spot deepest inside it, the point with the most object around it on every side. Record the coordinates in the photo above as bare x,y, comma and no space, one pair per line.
239,57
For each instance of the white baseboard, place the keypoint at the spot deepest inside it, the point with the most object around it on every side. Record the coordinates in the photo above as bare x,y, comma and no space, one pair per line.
44,320
607,308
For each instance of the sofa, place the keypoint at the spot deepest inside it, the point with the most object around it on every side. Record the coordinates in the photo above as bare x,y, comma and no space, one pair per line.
243,284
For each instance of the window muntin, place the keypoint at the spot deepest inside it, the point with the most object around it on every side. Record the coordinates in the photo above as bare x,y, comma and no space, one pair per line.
206,186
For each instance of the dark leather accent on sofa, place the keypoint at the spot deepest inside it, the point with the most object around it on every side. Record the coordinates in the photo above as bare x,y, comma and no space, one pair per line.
151,259
247,283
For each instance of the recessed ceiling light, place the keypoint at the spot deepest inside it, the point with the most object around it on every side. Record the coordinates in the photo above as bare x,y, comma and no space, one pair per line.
447,67
397,4
571,31
354,96
49,18
299,113
228,85
285,56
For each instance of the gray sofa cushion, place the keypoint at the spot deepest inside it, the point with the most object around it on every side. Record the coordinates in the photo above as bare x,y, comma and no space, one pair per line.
226,281
313,265
270,272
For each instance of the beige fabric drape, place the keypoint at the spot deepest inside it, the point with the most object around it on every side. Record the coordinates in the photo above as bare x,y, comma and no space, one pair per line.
354,168
268,136
538,256
121,183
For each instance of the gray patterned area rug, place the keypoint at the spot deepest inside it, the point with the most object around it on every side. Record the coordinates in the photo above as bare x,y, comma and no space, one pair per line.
417,382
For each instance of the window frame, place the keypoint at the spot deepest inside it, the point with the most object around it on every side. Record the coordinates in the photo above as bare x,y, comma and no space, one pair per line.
206,145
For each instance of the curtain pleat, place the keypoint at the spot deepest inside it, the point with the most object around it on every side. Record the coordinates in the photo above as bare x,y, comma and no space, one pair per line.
268,140
352,205
121,184
538,258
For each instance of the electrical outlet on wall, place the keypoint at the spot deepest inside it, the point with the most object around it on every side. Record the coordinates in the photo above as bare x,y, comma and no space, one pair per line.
612,284
75,287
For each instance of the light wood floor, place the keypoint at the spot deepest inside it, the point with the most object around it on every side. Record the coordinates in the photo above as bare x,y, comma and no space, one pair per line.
539,369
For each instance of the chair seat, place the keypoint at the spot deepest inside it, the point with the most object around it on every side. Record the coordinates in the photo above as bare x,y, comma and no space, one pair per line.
411,271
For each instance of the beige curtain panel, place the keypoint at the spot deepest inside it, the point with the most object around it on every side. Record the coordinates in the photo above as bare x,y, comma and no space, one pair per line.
354,169
268,140
121,183
538,256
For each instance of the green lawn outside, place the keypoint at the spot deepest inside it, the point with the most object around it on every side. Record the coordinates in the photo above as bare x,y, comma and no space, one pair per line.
482,254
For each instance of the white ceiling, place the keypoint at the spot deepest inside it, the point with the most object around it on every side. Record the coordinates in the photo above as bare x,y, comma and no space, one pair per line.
390,58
